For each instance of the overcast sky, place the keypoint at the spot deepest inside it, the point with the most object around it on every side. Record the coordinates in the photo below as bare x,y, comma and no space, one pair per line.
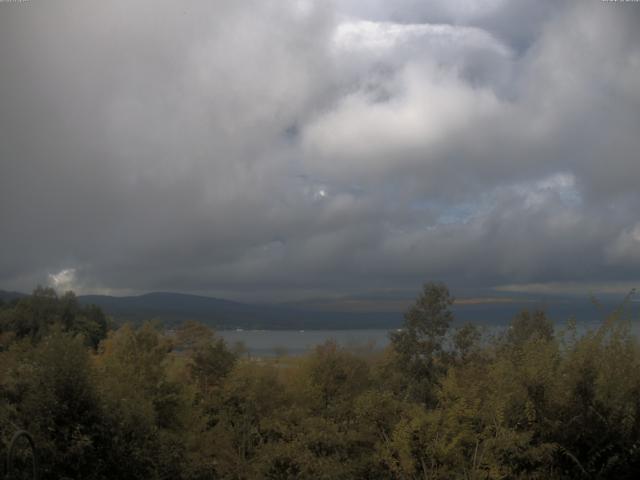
281,150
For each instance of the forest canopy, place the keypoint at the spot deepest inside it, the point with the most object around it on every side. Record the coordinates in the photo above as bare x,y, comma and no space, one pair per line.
442,401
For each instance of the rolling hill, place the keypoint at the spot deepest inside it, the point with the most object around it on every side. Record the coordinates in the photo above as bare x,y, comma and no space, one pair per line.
174,308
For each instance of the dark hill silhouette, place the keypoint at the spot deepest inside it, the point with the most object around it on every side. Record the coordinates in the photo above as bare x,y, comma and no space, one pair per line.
174,308
6,296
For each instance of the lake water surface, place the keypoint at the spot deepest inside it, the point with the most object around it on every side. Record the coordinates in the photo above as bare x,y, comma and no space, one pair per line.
268,343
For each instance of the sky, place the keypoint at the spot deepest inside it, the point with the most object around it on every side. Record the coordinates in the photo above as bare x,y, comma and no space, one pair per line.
294,149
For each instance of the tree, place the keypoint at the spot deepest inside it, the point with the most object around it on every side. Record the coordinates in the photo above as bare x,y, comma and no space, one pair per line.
419,344
48,390
527,325
210,363
209,358
192,334
35,316
143,409
466,342
336,375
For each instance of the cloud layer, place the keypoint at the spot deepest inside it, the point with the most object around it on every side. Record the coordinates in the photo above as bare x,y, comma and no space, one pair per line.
283,150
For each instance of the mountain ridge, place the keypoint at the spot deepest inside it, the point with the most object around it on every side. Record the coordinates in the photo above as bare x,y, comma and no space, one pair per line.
172,308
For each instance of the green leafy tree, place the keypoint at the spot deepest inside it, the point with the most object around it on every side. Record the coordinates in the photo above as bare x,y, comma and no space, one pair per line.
209,358
49,391
527,325
335,375
466,343
145,411
34,317
418,346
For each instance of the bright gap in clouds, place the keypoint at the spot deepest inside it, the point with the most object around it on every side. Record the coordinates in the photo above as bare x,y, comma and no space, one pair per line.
64,280
380,37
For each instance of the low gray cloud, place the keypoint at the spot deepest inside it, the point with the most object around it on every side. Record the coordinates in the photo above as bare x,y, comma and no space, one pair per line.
275,151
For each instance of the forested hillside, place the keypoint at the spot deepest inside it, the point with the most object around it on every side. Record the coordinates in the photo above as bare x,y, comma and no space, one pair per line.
442,402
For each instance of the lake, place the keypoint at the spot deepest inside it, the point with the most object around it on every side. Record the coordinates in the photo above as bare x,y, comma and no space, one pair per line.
268,343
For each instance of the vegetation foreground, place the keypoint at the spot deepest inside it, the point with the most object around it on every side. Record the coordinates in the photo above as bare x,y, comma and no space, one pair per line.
439,403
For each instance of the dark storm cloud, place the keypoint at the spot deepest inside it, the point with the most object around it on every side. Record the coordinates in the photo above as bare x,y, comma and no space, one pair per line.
277,150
